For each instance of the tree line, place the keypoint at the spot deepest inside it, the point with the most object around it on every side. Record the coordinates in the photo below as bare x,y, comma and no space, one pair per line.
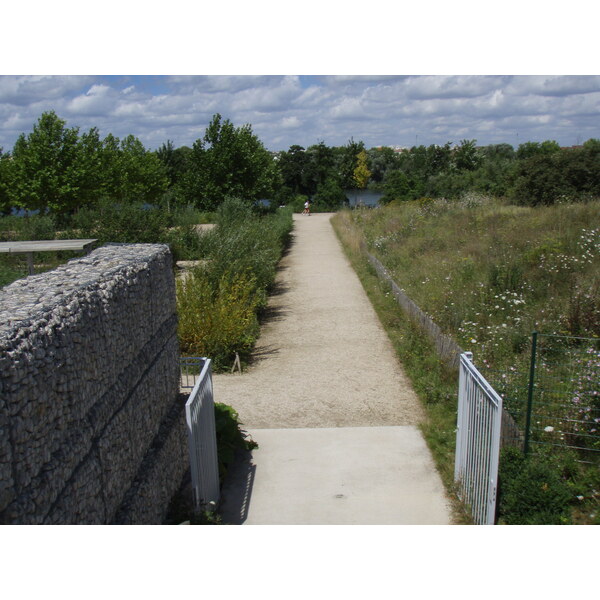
60,170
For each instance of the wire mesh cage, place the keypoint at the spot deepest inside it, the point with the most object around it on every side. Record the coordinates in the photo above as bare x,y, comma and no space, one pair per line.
557,401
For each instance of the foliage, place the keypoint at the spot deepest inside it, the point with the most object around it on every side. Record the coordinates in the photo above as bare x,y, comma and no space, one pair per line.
219,302
228,161
381,161
54,169
122,223
466,156
556,175
361,174
396,186
329,197
246,243
5,166
217,321
534,490
189,215
44,170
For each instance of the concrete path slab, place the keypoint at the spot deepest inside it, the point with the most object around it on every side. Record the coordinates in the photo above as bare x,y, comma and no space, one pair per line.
336,476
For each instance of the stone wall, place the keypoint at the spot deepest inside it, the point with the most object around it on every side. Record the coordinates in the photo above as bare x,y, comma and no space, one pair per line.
92,426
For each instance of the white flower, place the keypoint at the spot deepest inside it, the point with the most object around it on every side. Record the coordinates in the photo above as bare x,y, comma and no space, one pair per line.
579,497
473,341
548,429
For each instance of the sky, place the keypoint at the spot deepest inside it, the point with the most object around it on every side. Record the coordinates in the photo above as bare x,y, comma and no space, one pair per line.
305,109
378,72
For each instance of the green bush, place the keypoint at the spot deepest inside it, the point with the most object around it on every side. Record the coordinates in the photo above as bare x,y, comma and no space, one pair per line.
245,243
121,222
190,215
31,227
217,321
533,490
329,197
219,302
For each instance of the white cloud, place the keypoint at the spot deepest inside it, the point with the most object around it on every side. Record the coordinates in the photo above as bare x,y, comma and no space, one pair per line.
286,110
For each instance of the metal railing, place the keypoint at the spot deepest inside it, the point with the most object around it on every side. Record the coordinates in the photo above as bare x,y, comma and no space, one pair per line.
477,442
191,367
200,418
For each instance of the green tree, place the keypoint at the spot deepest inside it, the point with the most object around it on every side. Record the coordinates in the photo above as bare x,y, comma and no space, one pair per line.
346,162
329,196
143,177
382,160
466,156
539,180
293,165
396,186
319,167
229,162
529,149
46,171
439,158
5,163
90,178
361,173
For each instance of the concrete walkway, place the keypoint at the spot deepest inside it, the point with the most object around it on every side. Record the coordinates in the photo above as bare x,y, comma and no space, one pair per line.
330,407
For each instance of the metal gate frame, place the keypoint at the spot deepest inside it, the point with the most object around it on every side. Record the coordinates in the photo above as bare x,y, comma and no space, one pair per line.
204,464
478,434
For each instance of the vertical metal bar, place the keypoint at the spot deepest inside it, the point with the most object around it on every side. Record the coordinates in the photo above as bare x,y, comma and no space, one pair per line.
460,423
200,418
530,391
494,462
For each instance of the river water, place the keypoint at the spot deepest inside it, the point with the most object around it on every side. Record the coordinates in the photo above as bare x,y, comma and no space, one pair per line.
363,197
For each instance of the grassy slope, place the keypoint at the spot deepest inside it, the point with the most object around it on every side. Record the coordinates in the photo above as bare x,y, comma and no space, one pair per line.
490,274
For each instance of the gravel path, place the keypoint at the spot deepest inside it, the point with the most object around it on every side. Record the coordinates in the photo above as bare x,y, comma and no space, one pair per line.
323,358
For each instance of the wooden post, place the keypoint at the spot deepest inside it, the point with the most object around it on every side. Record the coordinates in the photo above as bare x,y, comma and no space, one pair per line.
30,262
237,363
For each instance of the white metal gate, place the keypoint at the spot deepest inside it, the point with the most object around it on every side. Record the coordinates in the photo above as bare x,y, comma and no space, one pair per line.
204,464
477,442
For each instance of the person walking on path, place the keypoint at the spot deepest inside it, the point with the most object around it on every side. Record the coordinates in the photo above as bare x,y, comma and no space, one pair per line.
306,210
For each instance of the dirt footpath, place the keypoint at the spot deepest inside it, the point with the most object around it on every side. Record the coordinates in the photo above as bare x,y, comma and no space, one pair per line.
323,359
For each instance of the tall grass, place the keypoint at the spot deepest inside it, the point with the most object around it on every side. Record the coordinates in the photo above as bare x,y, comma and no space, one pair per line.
219,303
489,274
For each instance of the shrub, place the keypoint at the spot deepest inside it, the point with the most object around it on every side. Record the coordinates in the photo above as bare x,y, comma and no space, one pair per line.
219,302
122,222
329,197
217,322
190,215
533,490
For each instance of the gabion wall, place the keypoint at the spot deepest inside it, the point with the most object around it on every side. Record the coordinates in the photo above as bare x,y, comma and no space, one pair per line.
92,426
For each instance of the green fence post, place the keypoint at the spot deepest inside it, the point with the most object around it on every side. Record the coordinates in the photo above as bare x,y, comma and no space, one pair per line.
530,390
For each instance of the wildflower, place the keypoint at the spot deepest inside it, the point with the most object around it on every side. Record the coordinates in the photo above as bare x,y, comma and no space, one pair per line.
548,429
579,497
473,341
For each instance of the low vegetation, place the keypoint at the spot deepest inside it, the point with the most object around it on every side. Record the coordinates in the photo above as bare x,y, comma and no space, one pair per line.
220,301
489,273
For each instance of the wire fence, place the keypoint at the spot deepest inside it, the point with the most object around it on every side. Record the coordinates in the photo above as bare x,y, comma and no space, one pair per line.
557,401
